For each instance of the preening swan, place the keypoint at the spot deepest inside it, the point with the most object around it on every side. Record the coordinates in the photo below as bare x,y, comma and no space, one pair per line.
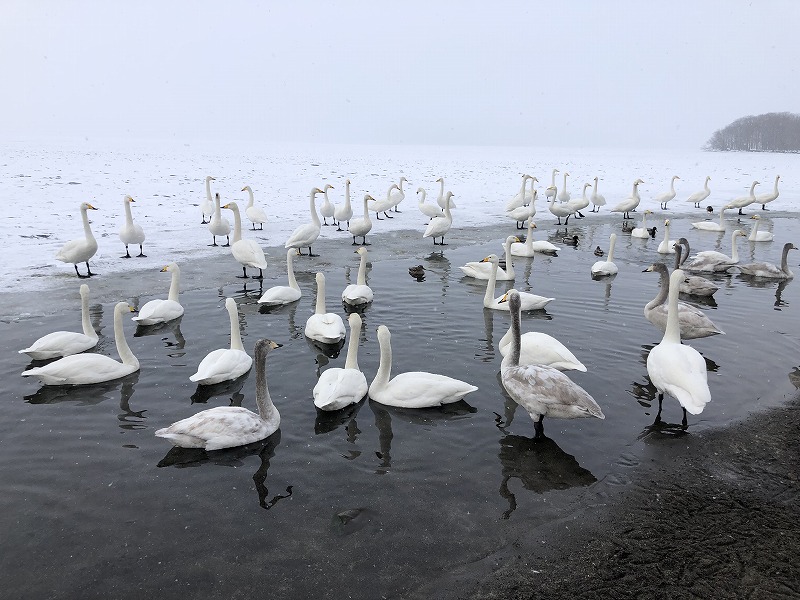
324,327
711,225
225,364
207,206
361,227
598,200
439,226
768,270
713,261
230,426
667,246
327,209
338,388
665,197
218,225
305,235
642,232
359,293
692,284
414,389
631,202
765,199
675,368
483,270
85,369
161,311
698,197
441,199
65,343
606,267
82,249
743,201
564,195
529,301
247,253
256,214
542,390
759,236
131,233
283,294
429,210
343,212
530,246
398,195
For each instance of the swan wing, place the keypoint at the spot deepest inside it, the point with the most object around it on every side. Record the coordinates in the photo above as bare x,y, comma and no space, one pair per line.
547,391
338,388
219,427
302,236
80,369
158,311
280,294
249,253
221,365
59,343
419,389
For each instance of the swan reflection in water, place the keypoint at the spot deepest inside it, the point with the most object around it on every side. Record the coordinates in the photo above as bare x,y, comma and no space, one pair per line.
233,457
231,388
86,395
174,327
328,421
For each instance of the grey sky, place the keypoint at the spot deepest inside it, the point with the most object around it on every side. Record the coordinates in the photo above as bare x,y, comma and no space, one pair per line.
444,72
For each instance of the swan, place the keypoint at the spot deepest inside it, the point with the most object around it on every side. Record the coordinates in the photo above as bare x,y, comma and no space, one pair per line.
530,195
564,195
692,284
283,294
398,195
429,210
551,193
642,232
86,369
711,225
382,206
361,227
580,203
483,270
667,245
338,388
743,201
530,246
207,207
693,321
630,203
529,301
360,293
82,249
327,209
713,261
559,210
523,213
542,390
131,233
519,198
765,199
759,236
607,267
441,199
307,234
256,214
161,311
414,389
768,270
230,426
247,252
538,348
598,200
65,343
698,197
327,328
218,225
343,212
225,364
675,368
439,226
662,199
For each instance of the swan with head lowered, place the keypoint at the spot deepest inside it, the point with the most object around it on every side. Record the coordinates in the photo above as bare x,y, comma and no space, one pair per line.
81,249
667,246
324,327
359,293
665,197
254,213
483,269
698,197
225,364
529,301
602,268
247,253
413,389
542,390
441,199
66,343
218,225
429,210
631,202
305,235
692,285
643,231
207,206
86,369
131,233
675,368
764,199
337,387
711,261
283,294
162,311
711,225
769,270
759,236
530,246
439,226
230,426
598,200
743,201
327,210
343,212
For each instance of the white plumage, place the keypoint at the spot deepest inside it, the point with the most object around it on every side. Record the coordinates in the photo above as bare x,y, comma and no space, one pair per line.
255,214
283,294
218,225
324,327
225,364
439,226
81,249
608,266
359,293
161,311
338,388
483,269
247,253
131,233
305,235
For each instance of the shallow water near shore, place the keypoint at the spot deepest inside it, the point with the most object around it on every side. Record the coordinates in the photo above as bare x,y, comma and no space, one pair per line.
370,501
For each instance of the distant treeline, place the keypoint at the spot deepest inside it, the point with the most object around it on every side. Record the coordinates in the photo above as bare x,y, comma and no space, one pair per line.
770,132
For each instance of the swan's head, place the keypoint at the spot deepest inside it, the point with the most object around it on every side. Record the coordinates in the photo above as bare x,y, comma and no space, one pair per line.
551,188
262,348
87,206
122,307
368,197
362,251
170,267
84,290
513,299
555,171
595,179
403,179
492,258
354,320
638,181
231,206
756,217
739,233
247,188
674,177
440,180
384,335
210,178
230,304
531,224
320,278
511,239
420,190
586,185
666,223
129,199
314,191
708,177
648,212
328,186
347,182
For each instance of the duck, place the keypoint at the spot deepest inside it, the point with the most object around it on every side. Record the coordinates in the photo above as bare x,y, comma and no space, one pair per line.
768,197
711,225
743,201
337,388
324,327
759,236
254,213
768,270
131,233
483,270
675,368
439,226
218,225
398,195
667,246
361,227
602,268
207,206
162,311
570,240
564,195
283,294
599,251
529,301
713,261
418,271
441,199
413,389
559,210
359,293
87,369
598,200
246,252
698,197
519,198
642,232
542,390
665,197
305,235
692,285
631,202
429,210
225,364
385,205
693,321
537,348
66,343
627,227
230,426
580,203
530,246
81,249
343,212
327,210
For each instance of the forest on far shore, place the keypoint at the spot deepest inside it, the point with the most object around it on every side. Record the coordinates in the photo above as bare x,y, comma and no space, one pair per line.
770,132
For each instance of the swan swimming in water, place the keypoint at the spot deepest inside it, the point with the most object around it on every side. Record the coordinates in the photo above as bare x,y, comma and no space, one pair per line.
359,293
713,261
667,246
305,235
768,270
218,225
131,233
81,249
162,311
283,294
338,388
324,327
759,236
530,246
483,269
692,285
711,225
225,364
698,197
541,349
643,231
602,268
247,253
529,301
255,214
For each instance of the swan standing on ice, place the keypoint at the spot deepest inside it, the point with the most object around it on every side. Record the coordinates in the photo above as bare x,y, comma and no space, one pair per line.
207,206
711,225
630,203
338,388
283,294
520,198
361,227
530,246
305,235
692,285
255,213
440,200
66,343
225,364
698,197
643,231
662,199
675,368
765,199
483,270
606,267
343,212
218,225
131,233
558,210
162,311
769,270
327,210
759,236
82,249
542,390
743,201
564,195
414,389
429,210
247,252
667,246
385,205
529,301
549,194
711,261
86,369
598,200
324,327
398,195
439,226
523,213
230,426
580,203
359,293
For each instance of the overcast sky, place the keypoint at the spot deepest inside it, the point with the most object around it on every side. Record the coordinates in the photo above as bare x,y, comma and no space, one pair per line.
540,73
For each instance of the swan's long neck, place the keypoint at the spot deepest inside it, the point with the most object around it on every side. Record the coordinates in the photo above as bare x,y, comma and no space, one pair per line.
447,209
775,189
663,289
366,209
290,270
673,332
553,177
86,322
362,270
585,186
753,188
565,181
123,349
594,190
174,284
635,192
320,306
516,336
87,230
385,364
313,209
685,255
237,224
208,190
352,346
347,194
266,408
672,186
611,248
509,263
666,233
523,186
721,216
217,210
754,231
785,258
488,296
734,249
644,220
252,199
441,189
128,215
678,254
529,241
236,336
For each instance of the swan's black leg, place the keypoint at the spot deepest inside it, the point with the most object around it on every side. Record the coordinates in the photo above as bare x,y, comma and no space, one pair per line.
88,269
764,207
364,243
310,253
740,211
581,215
378,216
215,241
127,254
228,242
387,215
260,275
354,241
244,273
141,252
567,221
559,221
684,423
538,428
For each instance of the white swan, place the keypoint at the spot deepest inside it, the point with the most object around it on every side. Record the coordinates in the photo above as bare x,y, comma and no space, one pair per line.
580,203
564,195
711,225
759,236
283,294
523,213
693,321
675,368
429,210
642,232
606,267
361,227
414,389
218,225
698,197
665,197
399,194
667,246
131,233
439,226
230,426
598,200
769,270
631,202
692,284
483,270
558,210
743,201
161,311
551,193
764,199
255,214
519,198
324,327
82,249
440,200
383,206
343,212
247,253
530,246
713,261
305,235
338,388
225,364
542,390
327,210
541,349
207,206
86,369
529,301
65,343
359,293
